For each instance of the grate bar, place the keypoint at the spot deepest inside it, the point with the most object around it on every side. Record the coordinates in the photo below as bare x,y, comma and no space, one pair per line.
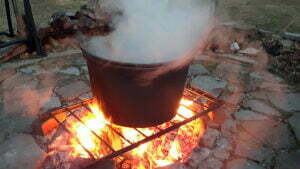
196,95
139,131
68,131
158,128
180,115
154,136
92,131
118,133
111,127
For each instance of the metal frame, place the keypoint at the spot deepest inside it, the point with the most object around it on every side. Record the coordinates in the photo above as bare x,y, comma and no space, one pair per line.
33,41
203,104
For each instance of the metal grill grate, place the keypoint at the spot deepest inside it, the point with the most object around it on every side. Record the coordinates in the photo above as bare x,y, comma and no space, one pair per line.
203,103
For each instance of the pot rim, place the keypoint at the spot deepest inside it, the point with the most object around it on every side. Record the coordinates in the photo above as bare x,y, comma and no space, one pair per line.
87,55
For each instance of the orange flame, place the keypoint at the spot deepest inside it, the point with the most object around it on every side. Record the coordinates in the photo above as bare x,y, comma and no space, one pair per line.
162,151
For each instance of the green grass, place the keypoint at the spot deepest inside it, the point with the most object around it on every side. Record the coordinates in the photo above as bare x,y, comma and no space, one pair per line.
271,15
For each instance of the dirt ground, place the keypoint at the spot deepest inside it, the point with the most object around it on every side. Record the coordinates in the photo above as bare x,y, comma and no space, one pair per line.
272,15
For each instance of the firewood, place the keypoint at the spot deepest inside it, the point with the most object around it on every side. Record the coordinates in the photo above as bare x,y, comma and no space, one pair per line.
15,51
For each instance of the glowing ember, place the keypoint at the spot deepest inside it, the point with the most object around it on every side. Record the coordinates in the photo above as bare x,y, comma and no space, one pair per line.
162,151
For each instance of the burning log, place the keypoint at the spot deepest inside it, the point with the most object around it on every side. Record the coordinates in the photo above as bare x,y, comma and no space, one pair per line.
15,51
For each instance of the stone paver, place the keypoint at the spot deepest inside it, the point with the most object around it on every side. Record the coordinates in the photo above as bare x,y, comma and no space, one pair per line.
251,150
212,163
229,127
4,74
210,137
274,134
221,154
198,69
229,71
295,124
31,69
249,115
198,156
288,160
261,95
19,152
210,84
52,102
19,80
242,164
287,102
222,149
261,107
73,90
70,71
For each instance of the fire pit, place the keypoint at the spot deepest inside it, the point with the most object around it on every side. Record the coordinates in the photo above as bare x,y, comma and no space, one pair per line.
83,133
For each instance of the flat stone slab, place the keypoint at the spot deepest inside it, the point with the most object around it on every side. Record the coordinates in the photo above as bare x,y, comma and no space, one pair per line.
249,115
20,80
261,107
210,137
251,150
288,160
211,163
295,124
70,71
229,71
197,69
242,164
287,102
210,84
277,135
20,152
8,72
73,90
222,149
198,156
31,69
52,102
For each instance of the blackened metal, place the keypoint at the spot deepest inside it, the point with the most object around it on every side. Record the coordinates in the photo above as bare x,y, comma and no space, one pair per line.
118,133
8,16
68,131
154,136
110,126
32,40
92,131
31,30
180,115
158,128
13,42
194,93
139,131
128,99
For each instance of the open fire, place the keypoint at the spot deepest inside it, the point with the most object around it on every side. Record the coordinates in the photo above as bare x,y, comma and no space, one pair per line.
91,137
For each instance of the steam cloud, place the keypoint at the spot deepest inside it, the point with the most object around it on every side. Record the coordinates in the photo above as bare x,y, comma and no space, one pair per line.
151,31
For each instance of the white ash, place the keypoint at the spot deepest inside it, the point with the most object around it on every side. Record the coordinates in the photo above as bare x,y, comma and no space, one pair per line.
198,156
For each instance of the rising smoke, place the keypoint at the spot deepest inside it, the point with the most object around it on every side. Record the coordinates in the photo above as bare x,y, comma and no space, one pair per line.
153,31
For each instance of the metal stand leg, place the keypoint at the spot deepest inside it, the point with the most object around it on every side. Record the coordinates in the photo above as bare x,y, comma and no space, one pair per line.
10,27
34,40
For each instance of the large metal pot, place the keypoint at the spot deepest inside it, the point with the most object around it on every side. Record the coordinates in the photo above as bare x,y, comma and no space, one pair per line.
126,100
